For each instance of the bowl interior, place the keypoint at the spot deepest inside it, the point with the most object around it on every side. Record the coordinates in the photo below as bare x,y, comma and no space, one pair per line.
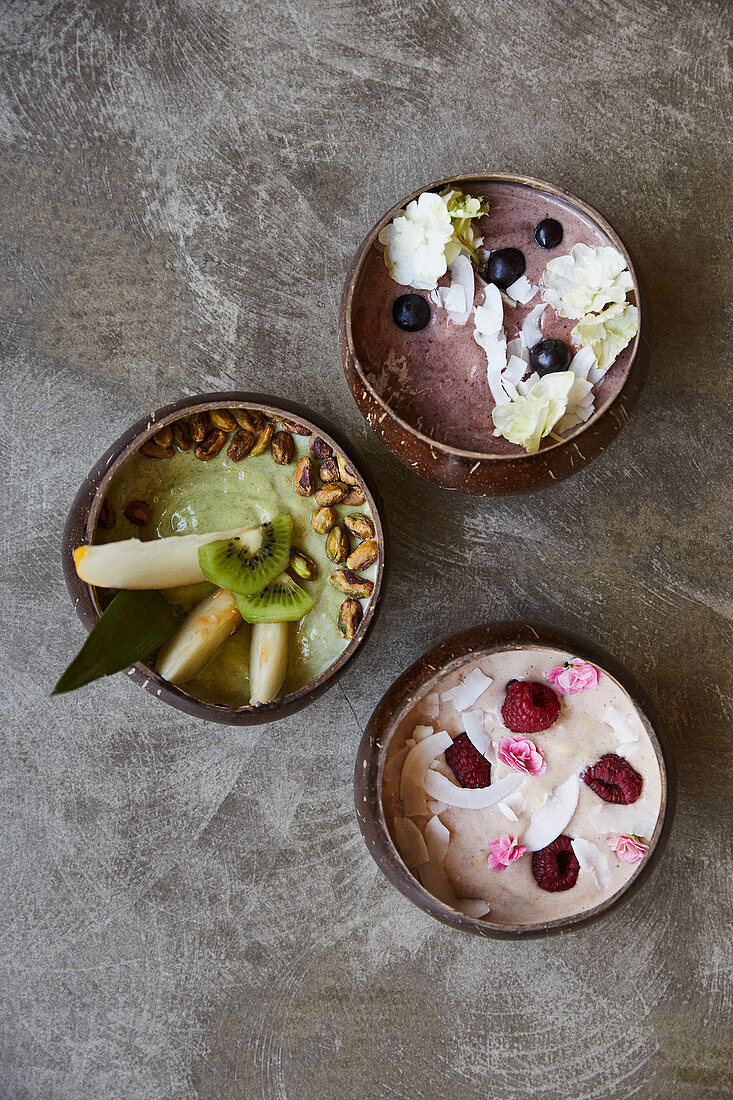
386,732
433,382
83,527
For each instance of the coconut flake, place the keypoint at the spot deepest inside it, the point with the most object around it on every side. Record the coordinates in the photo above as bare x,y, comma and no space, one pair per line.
421,732
473,724
508,812
619,723
616,818
412,781
522,290
552,816
525,386
454,301
435,807
582,362
469,798
462,289
465,694
515,369
410,843
516,347
531,332
432,874
393,766
489,317
472,907
435,297
592,860
431,705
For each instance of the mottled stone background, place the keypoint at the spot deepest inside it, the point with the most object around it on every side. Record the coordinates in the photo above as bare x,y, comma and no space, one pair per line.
188,910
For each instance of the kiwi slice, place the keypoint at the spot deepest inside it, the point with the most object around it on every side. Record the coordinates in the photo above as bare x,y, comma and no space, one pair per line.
246,563
281,601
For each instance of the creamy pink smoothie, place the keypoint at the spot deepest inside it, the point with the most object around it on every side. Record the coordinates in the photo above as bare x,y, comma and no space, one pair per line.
435,379
591,723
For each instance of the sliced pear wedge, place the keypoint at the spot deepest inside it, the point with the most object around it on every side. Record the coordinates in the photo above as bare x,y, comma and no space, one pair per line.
160,563
269,652
201,634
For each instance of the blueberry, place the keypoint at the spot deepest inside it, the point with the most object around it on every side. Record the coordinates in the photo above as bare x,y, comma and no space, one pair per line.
548,233
411,312
549,356
504,267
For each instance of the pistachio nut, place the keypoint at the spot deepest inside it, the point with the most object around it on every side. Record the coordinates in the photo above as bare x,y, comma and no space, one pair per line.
323,520
211,446
283,448
319,447
351,584
198,425
294,427
107,516
182,435
350,616
365,555
249,419
346,472
333,493
337,545
241,444
303,565
222,419
263,440
354,497
359,525
328,470
304,477
151,449
138,512
164,437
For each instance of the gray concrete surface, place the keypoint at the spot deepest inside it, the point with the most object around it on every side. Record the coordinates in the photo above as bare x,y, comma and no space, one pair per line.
188,910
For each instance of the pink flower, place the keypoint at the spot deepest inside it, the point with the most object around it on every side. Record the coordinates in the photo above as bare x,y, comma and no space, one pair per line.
503,851
630,849
522,755
574,676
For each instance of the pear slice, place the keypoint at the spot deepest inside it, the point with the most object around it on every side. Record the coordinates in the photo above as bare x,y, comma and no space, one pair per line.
269,653
201,634
160,563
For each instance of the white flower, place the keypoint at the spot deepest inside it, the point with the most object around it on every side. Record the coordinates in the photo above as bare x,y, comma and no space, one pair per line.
525,420
415,241
608,333
586,280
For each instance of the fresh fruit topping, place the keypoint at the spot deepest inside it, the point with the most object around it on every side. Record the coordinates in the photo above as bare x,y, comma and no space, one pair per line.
574,676
269,652
282,600
411,312
529,707
556,867
503,851
503,267
470,768
549,357
201,634
247,567
613,779
548,233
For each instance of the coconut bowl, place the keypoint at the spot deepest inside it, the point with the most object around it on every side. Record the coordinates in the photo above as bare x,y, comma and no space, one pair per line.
420,679
81,527
470,470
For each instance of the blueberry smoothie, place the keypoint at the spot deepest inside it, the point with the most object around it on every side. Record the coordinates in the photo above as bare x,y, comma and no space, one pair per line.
523,787
422,343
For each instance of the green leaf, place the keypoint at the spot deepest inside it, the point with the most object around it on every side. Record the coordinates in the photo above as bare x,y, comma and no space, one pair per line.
135,624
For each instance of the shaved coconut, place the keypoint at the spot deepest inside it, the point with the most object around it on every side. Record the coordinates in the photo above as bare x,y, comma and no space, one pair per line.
462,285
412,781
431,705
465,694
582,362
522,290
620,724
531,332
393,767
454,300
584,414
435,807
472,907
592,860
595,375
409,842
610,817
565,423
515,368
516,347
435,298
435,881
549,819
507,811
473,724
489,317
469,798
421,732
515,801
437,839
509,387
493,376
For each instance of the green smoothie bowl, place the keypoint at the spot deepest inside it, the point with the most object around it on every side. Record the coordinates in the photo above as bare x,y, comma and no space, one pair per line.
228,553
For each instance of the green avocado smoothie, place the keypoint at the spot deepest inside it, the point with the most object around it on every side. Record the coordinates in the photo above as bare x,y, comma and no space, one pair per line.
188,496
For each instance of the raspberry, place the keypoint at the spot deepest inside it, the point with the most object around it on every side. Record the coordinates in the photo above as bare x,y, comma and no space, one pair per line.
470,768
613,779
556,867
529,707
